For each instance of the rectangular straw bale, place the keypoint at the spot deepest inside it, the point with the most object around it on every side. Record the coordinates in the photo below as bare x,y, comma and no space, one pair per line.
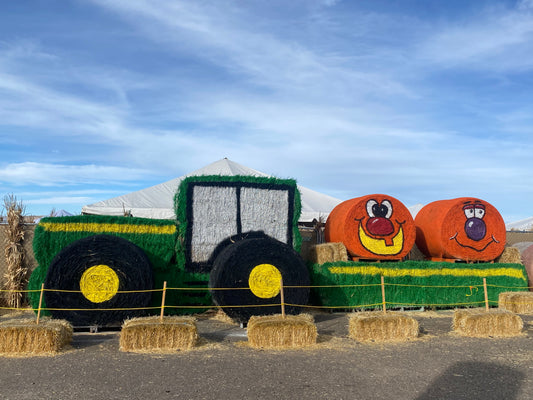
510,255
25,336
149,334
481,323
276,331
328,252
517,302
380,327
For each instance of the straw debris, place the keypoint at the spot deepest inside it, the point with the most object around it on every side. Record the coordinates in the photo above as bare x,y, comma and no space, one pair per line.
149,334
26,337
481,323
516,302
328,252
379,327
278,332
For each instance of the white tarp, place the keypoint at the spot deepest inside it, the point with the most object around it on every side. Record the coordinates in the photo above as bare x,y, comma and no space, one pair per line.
158,201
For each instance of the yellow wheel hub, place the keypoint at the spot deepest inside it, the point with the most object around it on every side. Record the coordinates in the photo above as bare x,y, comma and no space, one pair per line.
99,283
265,281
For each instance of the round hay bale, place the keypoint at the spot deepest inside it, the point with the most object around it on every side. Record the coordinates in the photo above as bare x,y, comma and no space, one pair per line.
91,274
253,268
465,228
377,227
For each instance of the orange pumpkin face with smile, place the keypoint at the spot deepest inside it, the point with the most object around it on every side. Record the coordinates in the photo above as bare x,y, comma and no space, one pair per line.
374,227
465,228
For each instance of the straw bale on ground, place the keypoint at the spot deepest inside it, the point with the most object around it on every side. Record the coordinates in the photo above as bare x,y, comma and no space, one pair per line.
328,252
380,327
516,302
276,331
149,334
25,336
510,255
481,323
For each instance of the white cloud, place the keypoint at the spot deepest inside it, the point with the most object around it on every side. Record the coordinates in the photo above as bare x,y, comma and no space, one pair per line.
497,39
74,200
54,174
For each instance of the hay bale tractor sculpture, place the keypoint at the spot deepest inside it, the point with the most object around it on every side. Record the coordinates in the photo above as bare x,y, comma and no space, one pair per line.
235,236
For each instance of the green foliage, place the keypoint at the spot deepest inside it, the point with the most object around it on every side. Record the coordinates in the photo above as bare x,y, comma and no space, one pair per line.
405,290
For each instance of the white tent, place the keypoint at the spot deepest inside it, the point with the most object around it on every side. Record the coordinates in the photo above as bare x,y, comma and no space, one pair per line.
158,201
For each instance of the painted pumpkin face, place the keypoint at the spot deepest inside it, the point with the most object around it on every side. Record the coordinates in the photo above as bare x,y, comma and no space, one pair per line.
375,226
380,229
474,230
465,228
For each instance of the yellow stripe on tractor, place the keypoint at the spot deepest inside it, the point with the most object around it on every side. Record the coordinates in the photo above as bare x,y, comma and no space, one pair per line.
108,228
425,272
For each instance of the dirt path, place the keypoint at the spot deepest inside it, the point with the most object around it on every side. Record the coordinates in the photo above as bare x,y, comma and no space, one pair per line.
439,365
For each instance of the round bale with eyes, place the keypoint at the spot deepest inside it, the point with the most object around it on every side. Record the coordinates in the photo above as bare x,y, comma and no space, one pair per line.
465,228
373,227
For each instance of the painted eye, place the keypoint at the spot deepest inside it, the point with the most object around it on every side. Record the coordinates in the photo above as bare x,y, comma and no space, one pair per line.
386,207
479,211
469,211
371,208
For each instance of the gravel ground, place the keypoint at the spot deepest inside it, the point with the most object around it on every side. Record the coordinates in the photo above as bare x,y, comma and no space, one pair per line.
438,365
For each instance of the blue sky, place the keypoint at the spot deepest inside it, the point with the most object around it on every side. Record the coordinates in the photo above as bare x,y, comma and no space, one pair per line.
422,100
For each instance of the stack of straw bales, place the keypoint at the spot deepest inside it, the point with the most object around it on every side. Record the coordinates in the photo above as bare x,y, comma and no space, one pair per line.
328,252
277,331
381,327
25,336
517,302
150,334
481,323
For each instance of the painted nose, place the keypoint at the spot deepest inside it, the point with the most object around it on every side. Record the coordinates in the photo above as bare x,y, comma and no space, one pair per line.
379,226
475,228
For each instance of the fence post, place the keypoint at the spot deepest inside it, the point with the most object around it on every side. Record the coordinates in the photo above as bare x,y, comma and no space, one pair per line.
40,304
282,297
383,294
486,294
163,300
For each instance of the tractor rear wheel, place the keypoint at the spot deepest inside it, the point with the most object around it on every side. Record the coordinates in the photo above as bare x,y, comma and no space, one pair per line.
92,274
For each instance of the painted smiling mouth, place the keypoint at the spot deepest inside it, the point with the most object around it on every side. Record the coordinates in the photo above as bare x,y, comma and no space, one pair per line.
380,246
492,240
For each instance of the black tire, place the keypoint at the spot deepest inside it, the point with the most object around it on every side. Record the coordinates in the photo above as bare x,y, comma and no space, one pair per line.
128,262
232,269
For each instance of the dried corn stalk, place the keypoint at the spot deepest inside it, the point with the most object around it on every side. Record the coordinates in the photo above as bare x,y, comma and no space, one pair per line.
14,251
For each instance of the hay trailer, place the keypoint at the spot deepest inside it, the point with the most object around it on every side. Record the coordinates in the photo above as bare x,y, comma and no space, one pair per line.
234,240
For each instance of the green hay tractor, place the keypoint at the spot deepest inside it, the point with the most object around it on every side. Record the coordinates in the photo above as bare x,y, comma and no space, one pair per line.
233,243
